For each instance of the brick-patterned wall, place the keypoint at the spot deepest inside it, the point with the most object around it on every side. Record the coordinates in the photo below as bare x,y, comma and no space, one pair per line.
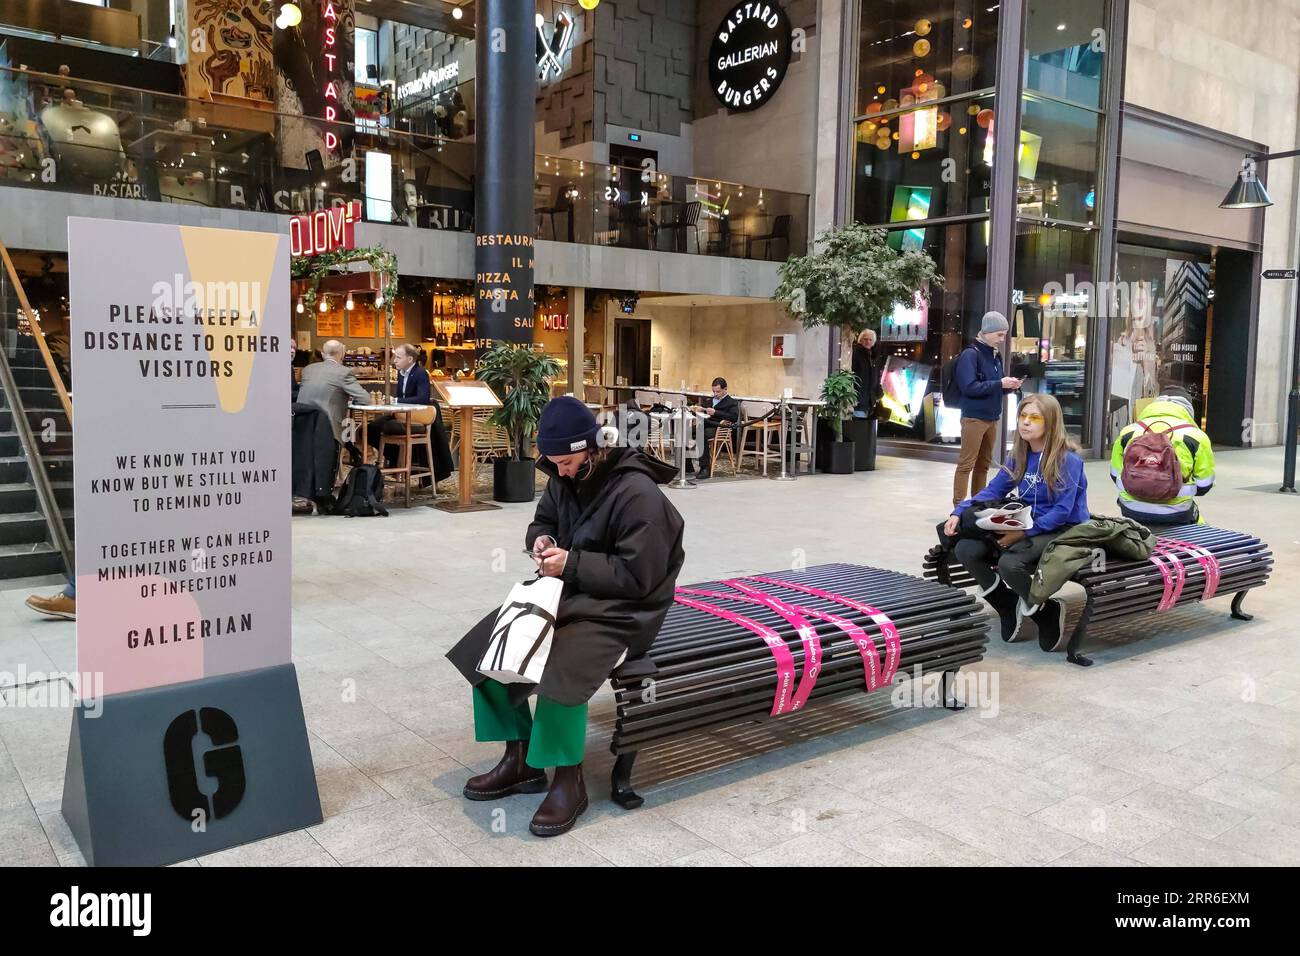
567,105
644,60
416,49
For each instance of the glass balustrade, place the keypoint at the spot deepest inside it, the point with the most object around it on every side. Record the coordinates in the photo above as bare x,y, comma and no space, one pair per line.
60,133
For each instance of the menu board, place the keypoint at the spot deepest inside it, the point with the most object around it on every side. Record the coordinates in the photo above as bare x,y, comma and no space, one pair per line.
467,394
362,324
329,325
399,322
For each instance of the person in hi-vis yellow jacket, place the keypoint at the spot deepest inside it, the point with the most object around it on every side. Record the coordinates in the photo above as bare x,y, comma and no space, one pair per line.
1173,413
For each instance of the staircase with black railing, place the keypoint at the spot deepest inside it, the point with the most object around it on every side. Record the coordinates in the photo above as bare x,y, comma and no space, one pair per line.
35,446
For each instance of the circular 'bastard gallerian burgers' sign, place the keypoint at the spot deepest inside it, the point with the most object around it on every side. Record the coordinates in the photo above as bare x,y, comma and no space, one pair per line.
749,55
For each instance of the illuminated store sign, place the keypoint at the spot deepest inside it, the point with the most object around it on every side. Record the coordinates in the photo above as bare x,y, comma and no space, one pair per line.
429,80
551,51
749,55
324,230
331,20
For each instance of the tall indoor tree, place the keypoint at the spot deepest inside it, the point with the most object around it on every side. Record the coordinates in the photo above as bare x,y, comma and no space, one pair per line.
852,279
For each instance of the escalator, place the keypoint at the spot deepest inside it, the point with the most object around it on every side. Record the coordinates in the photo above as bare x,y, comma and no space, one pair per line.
36,527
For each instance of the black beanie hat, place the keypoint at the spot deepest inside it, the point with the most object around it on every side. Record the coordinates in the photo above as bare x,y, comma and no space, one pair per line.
567,427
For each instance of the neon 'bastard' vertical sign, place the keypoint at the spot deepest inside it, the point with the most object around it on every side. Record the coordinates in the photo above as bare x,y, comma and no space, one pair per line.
324,230
331,19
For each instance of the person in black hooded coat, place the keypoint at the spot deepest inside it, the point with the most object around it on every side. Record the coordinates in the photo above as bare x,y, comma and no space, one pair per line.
616,542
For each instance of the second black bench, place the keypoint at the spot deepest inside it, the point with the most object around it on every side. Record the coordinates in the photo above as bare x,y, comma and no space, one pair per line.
1121,589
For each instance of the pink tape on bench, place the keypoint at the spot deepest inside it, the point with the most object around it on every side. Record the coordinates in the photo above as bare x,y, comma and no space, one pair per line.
783,702
1158,559
1173,574
794,616
1208,562
893,646
861,640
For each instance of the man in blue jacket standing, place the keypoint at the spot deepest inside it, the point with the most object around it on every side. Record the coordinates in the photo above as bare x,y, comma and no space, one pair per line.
978,376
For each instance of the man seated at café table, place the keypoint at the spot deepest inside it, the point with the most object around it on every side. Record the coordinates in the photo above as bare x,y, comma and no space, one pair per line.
413,389
331,386
723,411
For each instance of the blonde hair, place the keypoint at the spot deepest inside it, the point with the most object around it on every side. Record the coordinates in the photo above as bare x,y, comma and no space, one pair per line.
1056,443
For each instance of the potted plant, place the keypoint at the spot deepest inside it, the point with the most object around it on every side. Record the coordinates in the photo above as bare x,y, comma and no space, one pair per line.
851,280
521,378
840,393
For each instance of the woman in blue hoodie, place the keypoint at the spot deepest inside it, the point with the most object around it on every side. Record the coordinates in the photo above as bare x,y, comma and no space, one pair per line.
1047,476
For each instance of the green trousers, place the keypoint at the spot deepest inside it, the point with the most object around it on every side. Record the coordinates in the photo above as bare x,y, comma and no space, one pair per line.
557,735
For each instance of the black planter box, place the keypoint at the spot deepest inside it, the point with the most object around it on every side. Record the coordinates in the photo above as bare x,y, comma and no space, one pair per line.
863,433
513,480
839,458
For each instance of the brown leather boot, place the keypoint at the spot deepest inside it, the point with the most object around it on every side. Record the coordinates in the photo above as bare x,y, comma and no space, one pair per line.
511,775
563,805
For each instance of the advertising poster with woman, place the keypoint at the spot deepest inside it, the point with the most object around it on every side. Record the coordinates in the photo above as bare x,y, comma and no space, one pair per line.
1160,333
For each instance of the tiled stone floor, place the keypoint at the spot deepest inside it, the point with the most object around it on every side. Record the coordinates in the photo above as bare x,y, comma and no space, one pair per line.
1181,746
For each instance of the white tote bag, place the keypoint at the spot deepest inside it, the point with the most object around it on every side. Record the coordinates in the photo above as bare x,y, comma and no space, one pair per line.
522,634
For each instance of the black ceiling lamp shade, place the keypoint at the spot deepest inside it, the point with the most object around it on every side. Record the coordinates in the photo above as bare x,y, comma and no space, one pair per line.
1247,191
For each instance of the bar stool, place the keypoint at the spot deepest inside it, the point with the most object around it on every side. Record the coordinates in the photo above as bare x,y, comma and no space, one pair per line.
419,439
803,434
760,423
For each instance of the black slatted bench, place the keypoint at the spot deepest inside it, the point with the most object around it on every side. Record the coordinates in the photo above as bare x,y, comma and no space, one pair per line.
705,672
1121,589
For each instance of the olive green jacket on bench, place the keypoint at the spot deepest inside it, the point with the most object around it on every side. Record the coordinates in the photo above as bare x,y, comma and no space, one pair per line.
1085,544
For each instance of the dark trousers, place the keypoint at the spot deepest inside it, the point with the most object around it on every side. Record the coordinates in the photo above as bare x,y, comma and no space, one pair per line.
706,453
1156,522
987,562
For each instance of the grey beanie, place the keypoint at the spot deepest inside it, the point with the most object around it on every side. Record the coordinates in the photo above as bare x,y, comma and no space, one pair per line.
1174,397
993,322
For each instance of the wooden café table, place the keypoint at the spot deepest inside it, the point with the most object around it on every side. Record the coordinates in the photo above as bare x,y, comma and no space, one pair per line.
405,411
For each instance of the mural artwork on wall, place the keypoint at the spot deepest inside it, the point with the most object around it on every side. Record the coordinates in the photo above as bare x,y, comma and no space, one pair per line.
236,58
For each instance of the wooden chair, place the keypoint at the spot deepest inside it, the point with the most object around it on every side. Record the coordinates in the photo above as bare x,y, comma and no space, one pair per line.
664,448
490,441
722,441
759,420
656,444
419,439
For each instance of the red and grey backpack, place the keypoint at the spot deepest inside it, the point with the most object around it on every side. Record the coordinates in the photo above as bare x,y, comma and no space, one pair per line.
1152,471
